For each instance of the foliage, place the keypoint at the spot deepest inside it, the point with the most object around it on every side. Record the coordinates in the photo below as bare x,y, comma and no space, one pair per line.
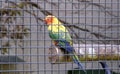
9,29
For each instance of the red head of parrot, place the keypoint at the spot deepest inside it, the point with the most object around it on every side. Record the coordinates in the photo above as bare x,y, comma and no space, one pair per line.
52,20
49,19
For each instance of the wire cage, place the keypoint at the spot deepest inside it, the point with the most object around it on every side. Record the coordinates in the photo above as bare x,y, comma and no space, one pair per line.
26,46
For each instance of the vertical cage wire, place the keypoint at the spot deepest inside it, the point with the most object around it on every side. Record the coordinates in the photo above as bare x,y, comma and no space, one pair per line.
26,47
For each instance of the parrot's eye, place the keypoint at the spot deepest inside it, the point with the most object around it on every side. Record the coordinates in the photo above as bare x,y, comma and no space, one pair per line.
49,20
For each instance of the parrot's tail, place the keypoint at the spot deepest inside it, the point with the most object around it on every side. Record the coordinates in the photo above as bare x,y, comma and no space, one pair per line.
66,45
76,61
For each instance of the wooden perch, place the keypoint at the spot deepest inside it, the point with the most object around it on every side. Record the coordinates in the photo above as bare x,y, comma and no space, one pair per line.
86,52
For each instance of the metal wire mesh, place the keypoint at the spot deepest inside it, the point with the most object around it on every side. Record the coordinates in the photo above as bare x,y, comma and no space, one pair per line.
26,46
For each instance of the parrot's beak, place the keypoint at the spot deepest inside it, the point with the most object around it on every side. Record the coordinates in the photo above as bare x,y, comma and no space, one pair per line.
44,21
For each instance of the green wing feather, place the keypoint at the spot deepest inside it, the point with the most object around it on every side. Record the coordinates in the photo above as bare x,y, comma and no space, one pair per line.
59,33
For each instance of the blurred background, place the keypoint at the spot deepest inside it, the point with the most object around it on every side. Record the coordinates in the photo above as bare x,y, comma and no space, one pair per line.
24,39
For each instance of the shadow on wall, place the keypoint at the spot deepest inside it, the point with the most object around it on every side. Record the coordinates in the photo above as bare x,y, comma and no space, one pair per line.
11,65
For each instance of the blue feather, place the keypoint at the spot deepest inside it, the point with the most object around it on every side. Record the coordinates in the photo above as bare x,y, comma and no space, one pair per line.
70,50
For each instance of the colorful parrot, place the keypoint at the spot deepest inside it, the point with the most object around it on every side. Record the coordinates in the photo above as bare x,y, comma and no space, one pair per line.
61,37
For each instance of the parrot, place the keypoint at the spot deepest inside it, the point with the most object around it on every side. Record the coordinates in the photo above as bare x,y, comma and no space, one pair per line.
61,37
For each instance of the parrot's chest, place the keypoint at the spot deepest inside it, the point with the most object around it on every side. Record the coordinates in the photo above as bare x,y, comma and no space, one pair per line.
56,33
54,28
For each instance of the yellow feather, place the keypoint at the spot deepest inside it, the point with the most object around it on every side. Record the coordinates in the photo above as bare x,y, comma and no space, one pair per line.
56,26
